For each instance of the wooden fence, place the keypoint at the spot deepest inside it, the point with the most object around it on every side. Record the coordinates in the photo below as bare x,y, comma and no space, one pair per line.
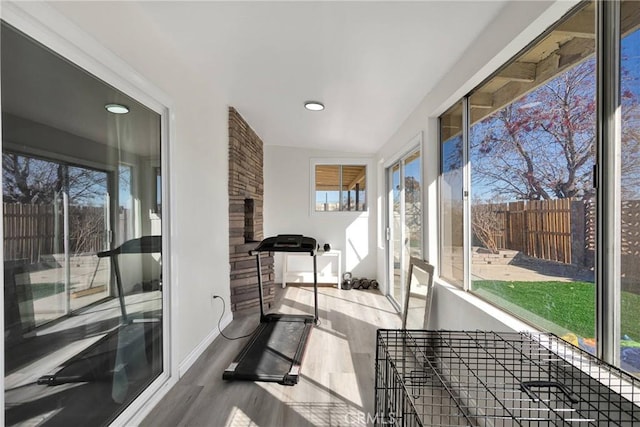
32,231
537,228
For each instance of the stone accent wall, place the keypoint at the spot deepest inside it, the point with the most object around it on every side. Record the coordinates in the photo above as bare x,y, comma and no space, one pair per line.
246,200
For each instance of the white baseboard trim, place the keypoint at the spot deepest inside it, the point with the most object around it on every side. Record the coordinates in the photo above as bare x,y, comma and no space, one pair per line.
196,352
143,406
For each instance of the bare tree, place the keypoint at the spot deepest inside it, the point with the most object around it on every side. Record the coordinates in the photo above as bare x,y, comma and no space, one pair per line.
35,181
487,225
87,225
542,145
30,181
413,205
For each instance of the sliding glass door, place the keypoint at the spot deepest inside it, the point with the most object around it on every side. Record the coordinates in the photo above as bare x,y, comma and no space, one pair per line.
404,221
82,249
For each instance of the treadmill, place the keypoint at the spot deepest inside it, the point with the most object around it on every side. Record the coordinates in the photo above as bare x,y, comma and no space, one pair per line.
124,351
275,350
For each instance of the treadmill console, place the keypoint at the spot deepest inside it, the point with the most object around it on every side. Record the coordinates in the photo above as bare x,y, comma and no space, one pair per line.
287,243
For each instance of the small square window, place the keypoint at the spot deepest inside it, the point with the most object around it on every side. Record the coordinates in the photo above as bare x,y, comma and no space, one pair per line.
340,188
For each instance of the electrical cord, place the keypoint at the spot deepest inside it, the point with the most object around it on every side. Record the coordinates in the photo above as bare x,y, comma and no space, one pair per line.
224,308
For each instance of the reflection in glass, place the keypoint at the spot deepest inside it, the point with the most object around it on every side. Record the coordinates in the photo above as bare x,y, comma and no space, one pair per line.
88,234
82,246
419,293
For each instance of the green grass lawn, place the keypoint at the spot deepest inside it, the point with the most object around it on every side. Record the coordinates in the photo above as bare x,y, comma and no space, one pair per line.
570,305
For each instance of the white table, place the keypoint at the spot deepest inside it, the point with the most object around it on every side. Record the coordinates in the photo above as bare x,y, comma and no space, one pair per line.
299,266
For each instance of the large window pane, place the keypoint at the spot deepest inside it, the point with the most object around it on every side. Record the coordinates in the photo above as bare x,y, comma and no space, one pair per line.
451,200
630,189
82,246
532,150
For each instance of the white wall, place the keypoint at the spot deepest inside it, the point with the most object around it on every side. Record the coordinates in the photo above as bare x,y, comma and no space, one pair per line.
287,209
518,24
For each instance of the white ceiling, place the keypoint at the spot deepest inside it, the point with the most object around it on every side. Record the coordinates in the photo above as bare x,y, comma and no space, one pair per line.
370,63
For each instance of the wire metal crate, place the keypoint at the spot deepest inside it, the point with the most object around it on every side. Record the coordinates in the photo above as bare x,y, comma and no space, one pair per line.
489,379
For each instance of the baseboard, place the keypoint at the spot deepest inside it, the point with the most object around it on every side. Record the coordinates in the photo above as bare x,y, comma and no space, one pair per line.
196,352
135,414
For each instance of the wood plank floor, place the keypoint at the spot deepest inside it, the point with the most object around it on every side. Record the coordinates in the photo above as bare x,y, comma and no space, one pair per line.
336,386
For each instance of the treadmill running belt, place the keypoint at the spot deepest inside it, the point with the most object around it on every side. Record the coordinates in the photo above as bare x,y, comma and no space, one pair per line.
273,353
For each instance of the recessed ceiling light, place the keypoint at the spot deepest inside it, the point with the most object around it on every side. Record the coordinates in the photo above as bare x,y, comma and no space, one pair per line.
117,108
314,106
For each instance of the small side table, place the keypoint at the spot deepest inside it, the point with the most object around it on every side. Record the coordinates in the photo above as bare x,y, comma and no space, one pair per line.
335,255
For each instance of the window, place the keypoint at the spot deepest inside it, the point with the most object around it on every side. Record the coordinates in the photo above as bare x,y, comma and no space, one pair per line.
532,194
531,199
340,187
628,297
451,201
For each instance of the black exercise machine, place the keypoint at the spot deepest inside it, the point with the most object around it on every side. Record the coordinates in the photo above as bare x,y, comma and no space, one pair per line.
275,350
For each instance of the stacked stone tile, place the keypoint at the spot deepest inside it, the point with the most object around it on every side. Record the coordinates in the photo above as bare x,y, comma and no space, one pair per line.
246,200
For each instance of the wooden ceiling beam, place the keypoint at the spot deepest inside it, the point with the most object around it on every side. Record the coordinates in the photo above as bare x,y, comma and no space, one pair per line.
566,56
575,51
581,25
451,125
481,100
358,179
630,16
519,72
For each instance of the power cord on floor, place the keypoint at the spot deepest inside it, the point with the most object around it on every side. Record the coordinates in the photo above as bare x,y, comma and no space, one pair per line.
224,308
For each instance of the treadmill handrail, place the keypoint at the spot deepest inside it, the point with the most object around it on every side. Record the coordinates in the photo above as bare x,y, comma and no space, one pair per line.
141,245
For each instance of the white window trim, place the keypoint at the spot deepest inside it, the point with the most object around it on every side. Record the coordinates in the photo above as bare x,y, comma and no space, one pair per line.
47,26
344,161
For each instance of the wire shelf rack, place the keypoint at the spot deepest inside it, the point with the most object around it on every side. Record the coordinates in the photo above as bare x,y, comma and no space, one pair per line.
489,379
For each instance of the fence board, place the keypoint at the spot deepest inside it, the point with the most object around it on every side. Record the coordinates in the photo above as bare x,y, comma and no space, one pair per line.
537,228
31,232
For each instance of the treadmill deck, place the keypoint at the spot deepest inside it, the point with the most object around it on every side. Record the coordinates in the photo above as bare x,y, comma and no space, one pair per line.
274,352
